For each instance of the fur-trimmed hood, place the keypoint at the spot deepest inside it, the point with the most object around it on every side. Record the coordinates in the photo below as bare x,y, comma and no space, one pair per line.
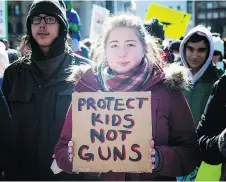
176,76
173,76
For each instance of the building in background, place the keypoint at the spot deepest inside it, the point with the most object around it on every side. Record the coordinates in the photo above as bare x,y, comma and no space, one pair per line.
17,13
211,14
190,6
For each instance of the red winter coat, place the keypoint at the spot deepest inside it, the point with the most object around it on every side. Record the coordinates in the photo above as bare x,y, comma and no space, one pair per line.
172,124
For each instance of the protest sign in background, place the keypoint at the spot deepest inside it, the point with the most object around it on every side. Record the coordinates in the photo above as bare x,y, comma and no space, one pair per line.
175,22
111,131
99,15
3,19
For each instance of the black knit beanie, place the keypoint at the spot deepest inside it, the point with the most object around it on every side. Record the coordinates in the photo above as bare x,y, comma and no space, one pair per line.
50,7
175,45
53,8
155,28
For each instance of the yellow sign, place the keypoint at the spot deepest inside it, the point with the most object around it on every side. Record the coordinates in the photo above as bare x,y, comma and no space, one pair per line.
175,22
209,172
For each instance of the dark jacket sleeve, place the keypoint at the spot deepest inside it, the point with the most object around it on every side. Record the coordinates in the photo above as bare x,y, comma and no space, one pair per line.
9,80
212,124
182,155
5,114
61,147
5,131
9,130
6,85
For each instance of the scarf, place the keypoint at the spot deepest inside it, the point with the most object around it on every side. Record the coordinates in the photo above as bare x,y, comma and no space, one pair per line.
132,80
49,67
57,48
48,64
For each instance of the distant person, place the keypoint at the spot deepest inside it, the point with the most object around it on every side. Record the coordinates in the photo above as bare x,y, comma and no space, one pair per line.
218,54
155,28
13,54
87,42
5,42
4,61
174,53
74,30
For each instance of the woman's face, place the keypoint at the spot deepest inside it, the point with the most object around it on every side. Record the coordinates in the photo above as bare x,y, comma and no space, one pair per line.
124,50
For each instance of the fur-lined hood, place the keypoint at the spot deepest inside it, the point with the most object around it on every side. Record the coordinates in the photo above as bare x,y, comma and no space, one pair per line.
173,76
176,76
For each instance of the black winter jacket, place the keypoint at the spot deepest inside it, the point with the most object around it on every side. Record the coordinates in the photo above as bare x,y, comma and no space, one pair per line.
213,122
38,111
5,133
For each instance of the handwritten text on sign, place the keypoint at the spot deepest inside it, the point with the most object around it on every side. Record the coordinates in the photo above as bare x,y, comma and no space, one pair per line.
112,131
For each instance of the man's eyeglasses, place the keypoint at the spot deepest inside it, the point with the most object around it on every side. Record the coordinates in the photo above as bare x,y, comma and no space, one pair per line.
48,20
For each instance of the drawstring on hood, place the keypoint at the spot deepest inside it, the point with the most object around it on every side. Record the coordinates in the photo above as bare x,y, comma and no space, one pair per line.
201,30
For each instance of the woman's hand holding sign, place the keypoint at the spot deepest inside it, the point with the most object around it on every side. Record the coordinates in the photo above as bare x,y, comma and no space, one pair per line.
70,151
154,156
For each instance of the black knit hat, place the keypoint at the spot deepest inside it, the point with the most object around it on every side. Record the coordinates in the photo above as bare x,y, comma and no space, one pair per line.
50,7
175,45
155,28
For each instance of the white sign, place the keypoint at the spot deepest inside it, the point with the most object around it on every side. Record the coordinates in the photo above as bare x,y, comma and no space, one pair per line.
3,19
99,14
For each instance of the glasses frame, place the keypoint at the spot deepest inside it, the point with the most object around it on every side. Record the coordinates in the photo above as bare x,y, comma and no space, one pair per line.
43,18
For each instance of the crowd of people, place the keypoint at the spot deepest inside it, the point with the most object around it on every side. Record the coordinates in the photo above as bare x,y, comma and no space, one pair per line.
185,76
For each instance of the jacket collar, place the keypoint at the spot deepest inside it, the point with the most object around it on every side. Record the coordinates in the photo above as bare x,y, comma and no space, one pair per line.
61,73
173,76
89,80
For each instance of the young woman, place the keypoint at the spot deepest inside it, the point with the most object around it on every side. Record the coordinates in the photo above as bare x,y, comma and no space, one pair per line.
127,60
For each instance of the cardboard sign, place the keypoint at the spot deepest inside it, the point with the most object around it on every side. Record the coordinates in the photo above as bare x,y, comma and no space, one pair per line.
3,19
99,15
111,131
175,22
